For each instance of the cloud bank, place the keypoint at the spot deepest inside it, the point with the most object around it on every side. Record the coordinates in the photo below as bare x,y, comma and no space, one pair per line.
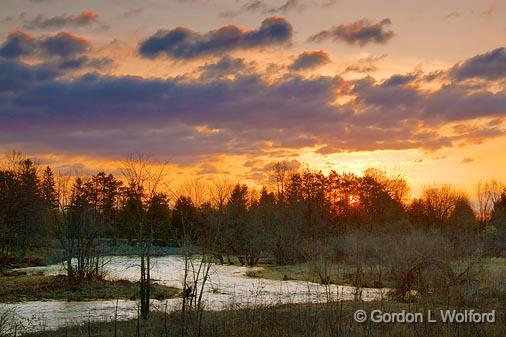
188,118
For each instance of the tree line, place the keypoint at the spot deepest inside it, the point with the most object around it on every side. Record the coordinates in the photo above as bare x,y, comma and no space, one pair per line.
300,208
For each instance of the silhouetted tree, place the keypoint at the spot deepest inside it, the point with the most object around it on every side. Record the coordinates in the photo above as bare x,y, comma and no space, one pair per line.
262,227
445,209
144,178
158,214
79,230
498,216
25,203
185,218
130,213
487,194
48,189
102,193
10,205
463,220
236,220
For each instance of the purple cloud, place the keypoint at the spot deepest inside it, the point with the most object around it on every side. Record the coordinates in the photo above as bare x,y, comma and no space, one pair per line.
63,44
310,60
225,66
360,33
58,53
183,43
489,66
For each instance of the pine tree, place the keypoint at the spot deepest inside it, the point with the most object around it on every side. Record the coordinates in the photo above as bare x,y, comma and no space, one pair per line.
29,227
48,189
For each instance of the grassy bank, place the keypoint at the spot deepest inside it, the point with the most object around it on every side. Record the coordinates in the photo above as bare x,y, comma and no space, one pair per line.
33,287
493,271
342,274
316,320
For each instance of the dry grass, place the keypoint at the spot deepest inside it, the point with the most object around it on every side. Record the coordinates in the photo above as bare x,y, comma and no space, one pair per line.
33,287
342,274
492,278
294,320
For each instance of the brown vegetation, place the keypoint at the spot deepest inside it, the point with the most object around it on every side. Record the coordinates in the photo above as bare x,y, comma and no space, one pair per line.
38,287
316,320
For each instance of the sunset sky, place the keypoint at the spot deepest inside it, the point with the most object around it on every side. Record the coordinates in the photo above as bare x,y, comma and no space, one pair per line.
227,87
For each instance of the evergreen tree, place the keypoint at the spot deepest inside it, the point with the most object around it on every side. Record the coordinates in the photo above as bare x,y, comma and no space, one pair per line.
185,219
159,217
236,210
130,214
29,224
48,189
10,205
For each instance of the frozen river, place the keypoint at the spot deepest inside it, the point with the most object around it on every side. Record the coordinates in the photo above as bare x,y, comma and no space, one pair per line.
227,286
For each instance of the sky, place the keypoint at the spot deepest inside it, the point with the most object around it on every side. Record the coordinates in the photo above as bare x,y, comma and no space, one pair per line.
228,87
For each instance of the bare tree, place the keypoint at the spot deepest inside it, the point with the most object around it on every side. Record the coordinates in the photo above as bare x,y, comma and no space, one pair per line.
196,189
394,183
440,204
281,171
197,270
144,177
487,194
219,191
78,229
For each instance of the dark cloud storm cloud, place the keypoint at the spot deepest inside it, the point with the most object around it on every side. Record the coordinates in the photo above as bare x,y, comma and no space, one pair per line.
225,66
489,66
359,33
57,53
398,79
17,75
19,44
310,60
183,43
64,44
